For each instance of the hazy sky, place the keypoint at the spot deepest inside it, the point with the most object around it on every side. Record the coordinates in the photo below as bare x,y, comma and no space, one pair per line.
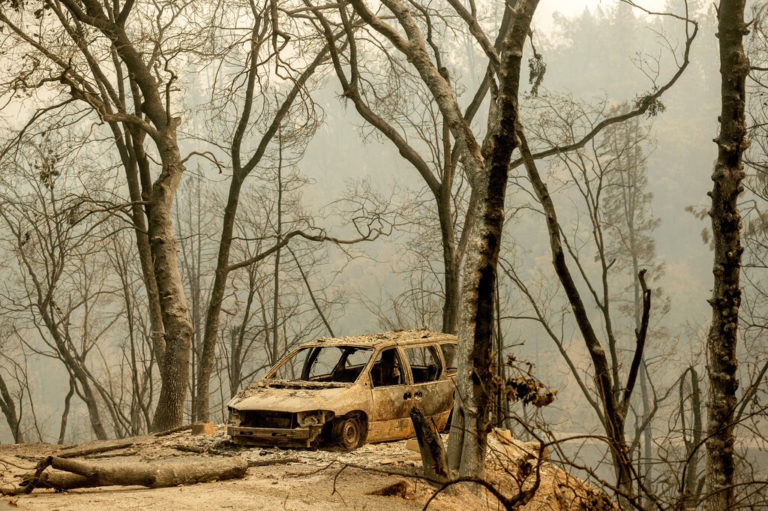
571,7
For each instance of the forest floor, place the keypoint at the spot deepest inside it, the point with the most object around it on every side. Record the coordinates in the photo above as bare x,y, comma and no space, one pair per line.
289,479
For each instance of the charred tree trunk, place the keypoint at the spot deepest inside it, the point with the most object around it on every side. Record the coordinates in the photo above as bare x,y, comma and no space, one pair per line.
151,117
65,413
156,120
691,482
210,335
8,408
726,231
276,272
645,465
471,415
451,256
487,169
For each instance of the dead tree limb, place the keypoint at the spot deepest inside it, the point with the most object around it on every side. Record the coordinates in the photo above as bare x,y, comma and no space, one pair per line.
640,334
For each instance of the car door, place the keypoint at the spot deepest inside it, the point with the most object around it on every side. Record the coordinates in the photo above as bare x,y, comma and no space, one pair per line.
392,397
432,389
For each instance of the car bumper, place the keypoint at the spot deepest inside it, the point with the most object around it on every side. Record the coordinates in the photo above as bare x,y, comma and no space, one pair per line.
303,437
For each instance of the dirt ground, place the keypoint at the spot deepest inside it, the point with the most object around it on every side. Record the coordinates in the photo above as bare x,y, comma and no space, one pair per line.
285,479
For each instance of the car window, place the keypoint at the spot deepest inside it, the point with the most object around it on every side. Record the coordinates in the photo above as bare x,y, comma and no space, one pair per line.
291,370
387,369
325,359
449,355
358,358
425,364
325,363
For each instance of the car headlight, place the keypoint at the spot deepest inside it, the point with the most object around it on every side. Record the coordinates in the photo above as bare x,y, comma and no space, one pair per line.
235,416
313,418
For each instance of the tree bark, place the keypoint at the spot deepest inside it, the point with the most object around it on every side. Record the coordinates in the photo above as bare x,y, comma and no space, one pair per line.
151,117
487,169
276,271
726,231
156,120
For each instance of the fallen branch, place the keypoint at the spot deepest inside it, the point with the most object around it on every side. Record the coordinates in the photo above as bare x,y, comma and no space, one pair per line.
112,455
96,449
203,450
6,462
276,461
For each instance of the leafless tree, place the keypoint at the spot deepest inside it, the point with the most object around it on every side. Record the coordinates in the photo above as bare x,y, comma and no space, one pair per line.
130,385
726,231
54,237
487,168
478,158
89,55
269,306
606,181
267,35
11,403
613,391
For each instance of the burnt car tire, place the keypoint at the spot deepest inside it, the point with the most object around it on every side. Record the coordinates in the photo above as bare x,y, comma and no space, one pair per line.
349,432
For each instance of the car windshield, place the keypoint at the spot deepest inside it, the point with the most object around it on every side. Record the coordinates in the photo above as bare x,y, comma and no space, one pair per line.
342,364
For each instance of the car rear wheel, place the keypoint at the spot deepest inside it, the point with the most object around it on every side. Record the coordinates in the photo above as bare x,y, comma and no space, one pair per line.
349,432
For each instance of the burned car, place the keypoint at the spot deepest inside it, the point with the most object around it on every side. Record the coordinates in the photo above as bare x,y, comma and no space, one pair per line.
348,391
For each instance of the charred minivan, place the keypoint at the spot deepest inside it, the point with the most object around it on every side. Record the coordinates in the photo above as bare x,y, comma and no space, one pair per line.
348,391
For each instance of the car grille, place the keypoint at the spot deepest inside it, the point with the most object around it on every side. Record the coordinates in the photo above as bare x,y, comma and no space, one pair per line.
268,419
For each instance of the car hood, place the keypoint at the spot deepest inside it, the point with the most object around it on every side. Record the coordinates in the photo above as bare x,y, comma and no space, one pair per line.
298,396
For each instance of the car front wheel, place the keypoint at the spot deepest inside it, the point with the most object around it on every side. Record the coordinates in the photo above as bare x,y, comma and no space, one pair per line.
348,432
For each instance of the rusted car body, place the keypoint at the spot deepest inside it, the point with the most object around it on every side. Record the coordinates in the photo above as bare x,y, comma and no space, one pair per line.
348,391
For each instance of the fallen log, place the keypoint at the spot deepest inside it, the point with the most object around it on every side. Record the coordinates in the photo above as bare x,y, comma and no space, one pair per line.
71,474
